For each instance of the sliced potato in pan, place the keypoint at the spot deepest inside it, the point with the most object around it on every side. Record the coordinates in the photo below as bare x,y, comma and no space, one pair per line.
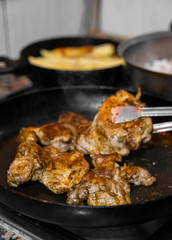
78,58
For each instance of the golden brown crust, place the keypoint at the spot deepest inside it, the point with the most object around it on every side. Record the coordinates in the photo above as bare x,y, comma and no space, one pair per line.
62,170
75,122
108,185
26,134
106,137
26,162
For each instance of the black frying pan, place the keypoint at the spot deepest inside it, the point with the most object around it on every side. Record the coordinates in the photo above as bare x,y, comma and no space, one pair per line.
145,48
51,77
34,200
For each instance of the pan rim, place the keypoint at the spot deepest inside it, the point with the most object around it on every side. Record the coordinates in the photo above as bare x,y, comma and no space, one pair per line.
64,37
70,38
127,44
132,205
67,87
143,205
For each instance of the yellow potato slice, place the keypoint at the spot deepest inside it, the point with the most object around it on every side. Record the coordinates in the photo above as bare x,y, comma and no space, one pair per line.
103,50
78,58
76,64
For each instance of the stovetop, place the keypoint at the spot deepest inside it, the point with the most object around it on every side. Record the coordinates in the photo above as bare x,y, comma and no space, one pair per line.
15,226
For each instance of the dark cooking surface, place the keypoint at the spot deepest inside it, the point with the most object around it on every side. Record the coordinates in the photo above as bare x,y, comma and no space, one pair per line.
34,200
18,226
155,156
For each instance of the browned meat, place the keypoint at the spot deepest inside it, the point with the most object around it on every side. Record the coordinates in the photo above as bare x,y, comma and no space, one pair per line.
26,134
137,175
48,152
101,187
108,184
106,137
133,174
57,171
54,134
62,170
61,134
105,160
75,122
26,164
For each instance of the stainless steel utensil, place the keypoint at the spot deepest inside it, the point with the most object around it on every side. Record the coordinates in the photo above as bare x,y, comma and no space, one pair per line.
122,114
162,127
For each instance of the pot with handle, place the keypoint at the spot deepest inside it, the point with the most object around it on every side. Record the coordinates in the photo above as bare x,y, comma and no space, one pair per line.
144,49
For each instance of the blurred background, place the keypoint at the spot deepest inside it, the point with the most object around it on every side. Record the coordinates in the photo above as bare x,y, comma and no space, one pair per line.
23,22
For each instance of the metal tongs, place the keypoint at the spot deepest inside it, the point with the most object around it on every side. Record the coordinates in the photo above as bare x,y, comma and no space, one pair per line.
121,114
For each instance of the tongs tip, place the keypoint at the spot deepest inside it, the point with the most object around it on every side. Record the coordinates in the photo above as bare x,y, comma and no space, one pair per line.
121,114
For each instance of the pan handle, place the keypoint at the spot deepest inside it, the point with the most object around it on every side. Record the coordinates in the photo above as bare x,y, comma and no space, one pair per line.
8,65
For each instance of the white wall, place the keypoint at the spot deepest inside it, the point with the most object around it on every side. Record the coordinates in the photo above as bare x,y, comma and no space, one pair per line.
134,17
32,20
25,21
2,31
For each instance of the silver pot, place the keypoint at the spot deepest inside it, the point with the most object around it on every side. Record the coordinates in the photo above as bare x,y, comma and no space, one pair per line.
140,50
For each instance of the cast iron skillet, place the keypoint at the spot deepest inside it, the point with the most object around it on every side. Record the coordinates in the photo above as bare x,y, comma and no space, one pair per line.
145,48
61,77
34,200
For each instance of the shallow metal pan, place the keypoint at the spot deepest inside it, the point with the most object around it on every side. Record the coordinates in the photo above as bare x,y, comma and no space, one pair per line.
34,200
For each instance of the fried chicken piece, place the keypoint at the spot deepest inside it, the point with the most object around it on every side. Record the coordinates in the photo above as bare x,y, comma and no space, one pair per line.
56,170
26,134
54,134
137,175
48,152
75,122
101,187
26,164
133,174
62,170
103,136
61,134
108,183
105,160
